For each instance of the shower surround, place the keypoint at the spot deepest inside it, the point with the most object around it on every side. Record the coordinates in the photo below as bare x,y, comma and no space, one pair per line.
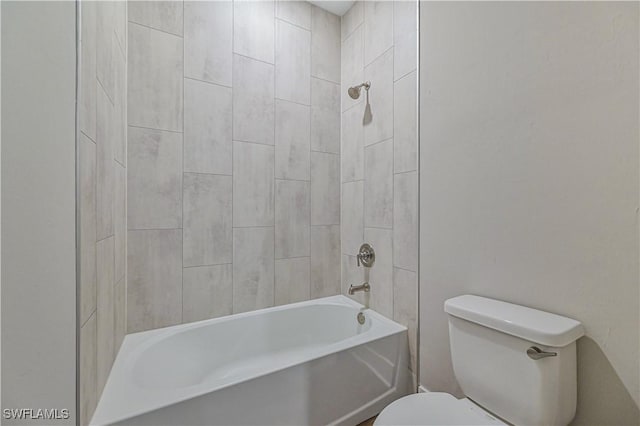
234,141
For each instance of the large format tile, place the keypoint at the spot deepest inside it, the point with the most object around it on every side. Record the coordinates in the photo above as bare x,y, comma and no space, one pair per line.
405,37
381,275
105,310
154,282
325,189
352,19
88,370
154,179
294,12
352,145
253,185
292,219
208,41
253,29
380,74
405,221
120,25
253,100
105,36
207,208
325,45
120,314
292,141
161,15
208,292
253,270
325,116
405,307
405,129
120,107
120,221
207,128
105,172
352,217
293,63
378,179
87,98
155,79
325,261
87,218
292,280
352,67
378,29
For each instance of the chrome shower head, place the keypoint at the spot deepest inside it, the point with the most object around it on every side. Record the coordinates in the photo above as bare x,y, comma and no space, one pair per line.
354,91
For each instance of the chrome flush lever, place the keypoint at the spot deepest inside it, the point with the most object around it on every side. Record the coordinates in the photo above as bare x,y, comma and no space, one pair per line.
536,353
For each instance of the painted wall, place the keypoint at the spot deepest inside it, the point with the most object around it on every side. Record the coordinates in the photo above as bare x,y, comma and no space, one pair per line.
529,180
102,143
38,208
233,159
379,157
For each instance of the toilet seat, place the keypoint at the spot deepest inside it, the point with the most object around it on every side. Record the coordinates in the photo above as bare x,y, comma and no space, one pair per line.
434,408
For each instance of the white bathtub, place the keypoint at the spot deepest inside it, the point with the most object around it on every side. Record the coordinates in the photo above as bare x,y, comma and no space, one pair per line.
308,363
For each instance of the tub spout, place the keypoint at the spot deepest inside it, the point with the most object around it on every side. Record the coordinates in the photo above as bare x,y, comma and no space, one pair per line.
354,288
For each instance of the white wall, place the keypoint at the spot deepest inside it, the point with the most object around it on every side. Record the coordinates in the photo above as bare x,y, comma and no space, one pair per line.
38,207
529,180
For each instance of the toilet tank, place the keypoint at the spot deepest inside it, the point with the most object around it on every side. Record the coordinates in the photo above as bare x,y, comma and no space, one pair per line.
489,342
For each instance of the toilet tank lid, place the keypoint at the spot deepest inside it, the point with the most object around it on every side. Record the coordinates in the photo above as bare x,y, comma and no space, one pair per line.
529,324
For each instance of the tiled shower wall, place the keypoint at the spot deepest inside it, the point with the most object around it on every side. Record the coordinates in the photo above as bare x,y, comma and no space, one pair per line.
379,157
233,160
102,147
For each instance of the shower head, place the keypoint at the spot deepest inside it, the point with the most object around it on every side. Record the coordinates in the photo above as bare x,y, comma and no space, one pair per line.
354,91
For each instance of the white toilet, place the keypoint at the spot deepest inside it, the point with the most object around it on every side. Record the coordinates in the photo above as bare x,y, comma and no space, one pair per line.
516,365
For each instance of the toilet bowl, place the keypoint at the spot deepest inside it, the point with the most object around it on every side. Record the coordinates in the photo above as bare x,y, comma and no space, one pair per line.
516,365
434,408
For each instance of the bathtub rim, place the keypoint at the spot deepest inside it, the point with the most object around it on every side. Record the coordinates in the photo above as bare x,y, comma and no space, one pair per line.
135,343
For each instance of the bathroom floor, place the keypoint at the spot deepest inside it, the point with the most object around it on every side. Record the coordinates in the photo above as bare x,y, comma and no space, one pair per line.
368,422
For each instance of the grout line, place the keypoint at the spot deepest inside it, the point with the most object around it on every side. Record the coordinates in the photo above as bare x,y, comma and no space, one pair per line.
185,172
256,143
326,80
157,130
291,180
182,175
158,29
207,266
277,18
152,229
207,82
293,102
273,64
395,80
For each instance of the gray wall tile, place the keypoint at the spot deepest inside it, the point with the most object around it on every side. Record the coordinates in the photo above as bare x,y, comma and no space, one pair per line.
378,29
378,179
105,36
253,269
325,189
208,41
405,307
253,184
293,63
88,82
105,310
292,219
154,179
381,275
253,29
405,221
325,116
161,15
154,288
207,208
294,12
120,108
405,39
325,261
325,44
352,19
292,141
120,314
87,218
155,79
207,128
352,66
352,146
120,221
253,100
352,274
292,280
380,73
105,166
352,217
405,129
208,292
88,370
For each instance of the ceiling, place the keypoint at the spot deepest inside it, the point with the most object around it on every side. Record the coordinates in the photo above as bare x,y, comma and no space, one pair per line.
334,6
